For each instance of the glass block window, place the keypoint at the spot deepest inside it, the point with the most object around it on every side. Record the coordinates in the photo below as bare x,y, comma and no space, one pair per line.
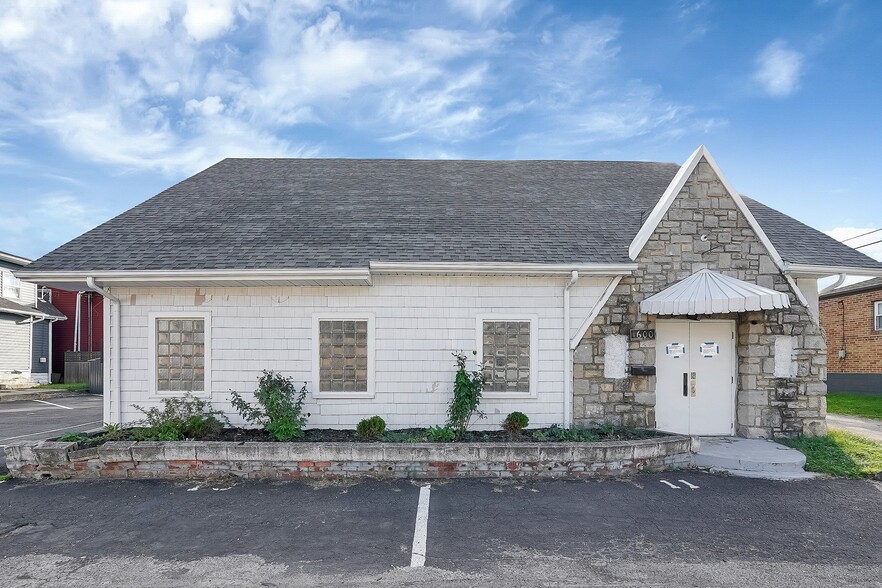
878,315
180,355
343,356
506,356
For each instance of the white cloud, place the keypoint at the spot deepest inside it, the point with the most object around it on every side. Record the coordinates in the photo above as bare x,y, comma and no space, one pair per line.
206,19
481,10
208,107
141,18
175,84
779,69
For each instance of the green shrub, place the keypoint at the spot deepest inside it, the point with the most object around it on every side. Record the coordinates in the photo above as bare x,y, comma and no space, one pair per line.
440,434
515,422
184,417
467,389
72,437
279,407
371,429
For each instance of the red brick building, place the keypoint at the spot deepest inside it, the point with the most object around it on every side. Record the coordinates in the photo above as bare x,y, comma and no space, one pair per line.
85,334
852,319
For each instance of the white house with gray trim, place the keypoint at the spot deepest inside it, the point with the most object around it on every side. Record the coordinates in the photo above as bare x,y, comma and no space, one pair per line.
25,333
647,294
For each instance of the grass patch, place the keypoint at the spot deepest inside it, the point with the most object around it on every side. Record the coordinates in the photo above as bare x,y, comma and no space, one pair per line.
76,387
856,405
839,454
6,476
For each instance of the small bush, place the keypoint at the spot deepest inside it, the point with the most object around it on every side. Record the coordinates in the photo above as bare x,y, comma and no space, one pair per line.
371,429
72,437
515,422
467,389
279,407
440,434
184,417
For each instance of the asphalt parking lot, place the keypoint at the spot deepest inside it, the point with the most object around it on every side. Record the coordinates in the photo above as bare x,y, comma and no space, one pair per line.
708,531
22,420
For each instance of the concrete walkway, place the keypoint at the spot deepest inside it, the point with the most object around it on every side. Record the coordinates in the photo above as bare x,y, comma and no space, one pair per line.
751,458
869,428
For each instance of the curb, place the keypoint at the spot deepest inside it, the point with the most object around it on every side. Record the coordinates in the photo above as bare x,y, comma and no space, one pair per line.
40,394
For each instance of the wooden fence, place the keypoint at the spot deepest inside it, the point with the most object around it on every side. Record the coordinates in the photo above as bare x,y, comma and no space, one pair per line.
84,367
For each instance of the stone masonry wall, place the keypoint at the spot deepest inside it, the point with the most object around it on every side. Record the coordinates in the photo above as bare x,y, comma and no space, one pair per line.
289,461
767,406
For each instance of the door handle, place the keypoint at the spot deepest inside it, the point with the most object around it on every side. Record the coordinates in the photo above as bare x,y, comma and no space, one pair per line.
685,384
693,384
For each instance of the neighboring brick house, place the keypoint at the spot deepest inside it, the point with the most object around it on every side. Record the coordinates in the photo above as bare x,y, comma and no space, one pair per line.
648,294
852,318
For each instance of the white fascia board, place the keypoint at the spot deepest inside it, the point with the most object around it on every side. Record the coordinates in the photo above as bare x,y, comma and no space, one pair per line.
820,271
538,269
661,208
17,260
238,275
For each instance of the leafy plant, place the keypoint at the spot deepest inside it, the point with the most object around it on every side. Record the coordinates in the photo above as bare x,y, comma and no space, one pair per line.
73,437
185,417
440,434
279,407
112,432
515,422
467,389
371,428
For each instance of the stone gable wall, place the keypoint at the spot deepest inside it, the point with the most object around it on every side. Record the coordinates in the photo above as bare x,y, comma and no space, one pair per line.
767,406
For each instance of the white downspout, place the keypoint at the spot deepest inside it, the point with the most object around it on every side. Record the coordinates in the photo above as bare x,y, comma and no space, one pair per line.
113,387
834,285
76,333
568,353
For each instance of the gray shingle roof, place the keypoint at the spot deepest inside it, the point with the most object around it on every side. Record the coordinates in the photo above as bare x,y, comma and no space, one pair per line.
41,309
865,286
326,213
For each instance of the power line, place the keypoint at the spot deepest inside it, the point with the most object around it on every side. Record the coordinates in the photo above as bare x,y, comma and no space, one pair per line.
861,235
868,244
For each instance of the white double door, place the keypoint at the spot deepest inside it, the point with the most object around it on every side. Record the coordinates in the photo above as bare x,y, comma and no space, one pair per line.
695,377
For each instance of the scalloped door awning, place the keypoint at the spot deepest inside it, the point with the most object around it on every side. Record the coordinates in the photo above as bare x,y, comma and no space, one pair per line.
708,292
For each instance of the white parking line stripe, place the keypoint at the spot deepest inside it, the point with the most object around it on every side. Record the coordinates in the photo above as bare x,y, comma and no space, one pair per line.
692,486
50,431
669,484
53,404
418,551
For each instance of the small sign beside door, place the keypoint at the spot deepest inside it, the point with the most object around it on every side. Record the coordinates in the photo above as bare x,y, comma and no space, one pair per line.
709,349
675,350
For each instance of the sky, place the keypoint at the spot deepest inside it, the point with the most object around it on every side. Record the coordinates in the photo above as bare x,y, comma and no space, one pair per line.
105,103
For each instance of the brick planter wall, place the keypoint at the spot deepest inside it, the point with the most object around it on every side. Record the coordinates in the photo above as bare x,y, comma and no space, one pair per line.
288,461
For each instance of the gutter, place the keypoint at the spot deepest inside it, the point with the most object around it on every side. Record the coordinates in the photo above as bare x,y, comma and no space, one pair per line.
827,270
112,388
568,353
537,269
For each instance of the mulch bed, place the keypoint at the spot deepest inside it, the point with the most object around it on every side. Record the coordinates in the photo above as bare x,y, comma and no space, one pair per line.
406,436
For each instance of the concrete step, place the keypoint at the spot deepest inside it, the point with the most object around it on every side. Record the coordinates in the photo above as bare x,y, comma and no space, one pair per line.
758,456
